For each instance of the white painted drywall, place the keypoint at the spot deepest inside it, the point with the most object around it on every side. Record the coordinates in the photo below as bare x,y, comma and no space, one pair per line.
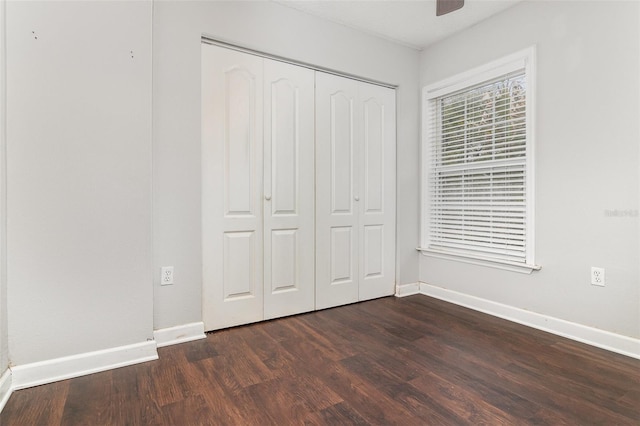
4,346
79,177
588,78
275,29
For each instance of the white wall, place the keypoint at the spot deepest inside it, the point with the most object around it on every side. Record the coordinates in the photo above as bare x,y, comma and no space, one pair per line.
586,159
79,177
274,29
4,346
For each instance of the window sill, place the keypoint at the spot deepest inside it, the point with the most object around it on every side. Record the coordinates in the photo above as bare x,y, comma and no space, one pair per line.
492,263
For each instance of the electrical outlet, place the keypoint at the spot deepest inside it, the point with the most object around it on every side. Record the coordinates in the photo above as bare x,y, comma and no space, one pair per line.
166,275
597,276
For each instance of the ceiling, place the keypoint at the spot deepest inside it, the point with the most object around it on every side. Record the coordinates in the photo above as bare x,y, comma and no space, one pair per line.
410,22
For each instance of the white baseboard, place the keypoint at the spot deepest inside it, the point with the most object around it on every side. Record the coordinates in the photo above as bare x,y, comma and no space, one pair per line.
403,290
624,345
53,370
5,388
179,334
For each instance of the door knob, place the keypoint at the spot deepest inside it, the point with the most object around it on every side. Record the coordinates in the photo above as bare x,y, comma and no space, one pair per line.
267,197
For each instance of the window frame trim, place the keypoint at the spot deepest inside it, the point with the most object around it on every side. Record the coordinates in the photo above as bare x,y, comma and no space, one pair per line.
522,60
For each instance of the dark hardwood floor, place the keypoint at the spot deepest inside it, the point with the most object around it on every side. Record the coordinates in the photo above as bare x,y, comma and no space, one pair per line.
409,361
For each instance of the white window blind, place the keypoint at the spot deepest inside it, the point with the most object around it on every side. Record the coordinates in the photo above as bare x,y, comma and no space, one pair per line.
476,170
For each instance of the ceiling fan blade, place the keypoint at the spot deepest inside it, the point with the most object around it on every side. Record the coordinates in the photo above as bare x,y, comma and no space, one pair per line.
445,6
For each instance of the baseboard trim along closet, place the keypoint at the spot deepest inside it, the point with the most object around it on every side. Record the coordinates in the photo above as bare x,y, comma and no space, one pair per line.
5,388
179,334
403,290
592,336
53,370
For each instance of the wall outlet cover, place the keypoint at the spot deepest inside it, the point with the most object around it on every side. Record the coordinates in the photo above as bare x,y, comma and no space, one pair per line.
166,275
597,276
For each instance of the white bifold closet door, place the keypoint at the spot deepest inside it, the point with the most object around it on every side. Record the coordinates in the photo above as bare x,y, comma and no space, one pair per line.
355,191
258,188
288,190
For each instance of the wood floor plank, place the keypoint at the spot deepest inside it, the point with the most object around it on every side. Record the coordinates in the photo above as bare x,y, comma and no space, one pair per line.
467,405
542,401
367,399
88,400
40,405
193,408
207,382
389,361
340,414
133,384
486,378
288,400
200,349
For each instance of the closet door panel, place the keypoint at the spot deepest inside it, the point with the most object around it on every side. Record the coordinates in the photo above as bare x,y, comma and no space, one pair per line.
239,250
288,189
373,251
337,172
377,206
373,145
342,249
232,241
342,141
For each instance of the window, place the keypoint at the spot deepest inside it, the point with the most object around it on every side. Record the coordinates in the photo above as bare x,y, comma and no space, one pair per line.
478,165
